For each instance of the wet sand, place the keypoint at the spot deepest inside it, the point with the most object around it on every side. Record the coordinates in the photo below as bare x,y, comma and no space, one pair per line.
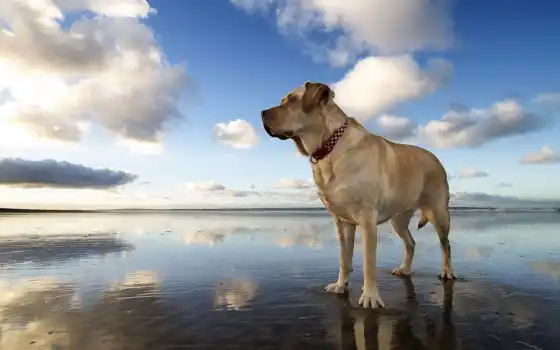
255,281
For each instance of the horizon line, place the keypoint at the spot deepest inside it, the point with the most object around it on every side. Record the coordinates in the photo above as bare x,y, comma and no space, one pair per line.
247,209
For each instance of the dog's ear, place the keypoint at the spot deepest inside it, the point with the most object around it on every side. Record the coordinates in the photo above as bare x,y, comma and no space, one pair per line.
299,145
314,95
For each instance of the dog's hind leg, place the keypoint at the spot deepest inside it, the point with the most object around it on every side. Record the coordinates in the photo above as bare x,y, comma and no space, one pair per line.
438,214
400,227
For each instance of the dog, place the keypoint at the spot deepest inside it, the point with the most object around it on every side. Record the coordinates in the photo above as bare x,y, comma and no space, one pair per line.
363,180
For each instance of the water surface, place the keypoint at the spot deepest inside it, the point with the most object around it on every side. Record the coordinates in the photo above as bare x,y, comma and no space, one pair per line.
255,281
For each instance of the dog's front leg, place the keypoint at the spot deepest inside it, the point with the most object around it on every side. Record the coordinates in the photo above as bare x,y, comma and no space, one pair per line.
346,234
370,293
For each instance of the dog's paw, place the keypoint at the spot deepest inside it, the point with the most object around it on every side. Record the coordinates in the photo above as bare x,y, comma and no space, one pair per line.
447,274
401,271
338,288
371,299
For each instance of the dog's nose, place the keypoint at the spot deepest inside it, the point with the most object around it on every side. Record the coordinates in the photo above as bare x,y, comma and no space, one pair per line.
267,114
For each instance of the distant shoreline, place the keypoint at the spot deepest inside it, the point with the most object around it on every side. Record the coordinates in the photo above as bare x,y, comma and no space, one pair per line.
295,209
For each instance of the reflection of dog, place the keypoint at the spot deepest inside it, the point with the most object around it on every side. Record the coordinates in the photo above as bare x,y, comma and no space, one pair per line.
443,337
364,330
363,180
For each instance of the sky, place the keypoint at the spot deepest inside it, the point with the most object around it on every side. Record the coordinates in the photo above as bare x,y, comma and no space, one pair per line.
156,104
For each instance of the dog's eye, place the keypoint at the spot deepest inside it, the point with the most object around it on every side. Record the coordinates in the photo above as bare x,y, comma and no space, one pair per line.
292,99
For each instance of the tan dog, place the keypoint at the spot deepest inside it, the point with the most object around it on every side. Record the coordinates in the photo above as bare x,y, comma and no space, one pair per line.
363,180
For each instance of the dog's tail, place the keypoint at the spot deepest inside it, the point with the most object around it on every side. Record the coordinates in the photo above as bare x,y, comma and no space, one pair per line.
423,220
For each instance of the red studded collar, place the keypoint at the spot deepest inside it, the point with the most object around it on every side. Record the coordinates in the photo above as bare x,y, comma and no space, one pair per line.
328,145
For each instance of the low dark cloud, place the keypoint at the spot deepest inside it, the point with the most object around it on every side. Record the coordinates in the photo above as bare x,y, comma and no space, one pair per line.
51,173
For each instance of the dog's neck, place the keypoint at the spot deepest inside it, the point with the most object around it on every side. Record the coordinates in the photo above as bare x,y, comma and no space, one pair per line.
333,119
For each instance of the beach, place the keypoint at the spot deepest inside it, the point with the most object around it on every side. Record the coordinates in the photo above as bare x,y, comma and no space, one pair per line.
254,280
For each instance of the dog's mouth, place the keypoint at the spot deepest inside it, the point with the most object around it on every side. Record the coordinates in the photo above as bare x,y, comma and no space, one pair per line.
283,136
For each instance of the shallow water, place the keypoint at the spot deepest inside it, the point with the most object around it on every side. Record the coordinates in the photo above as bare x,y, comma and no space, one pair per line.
255,281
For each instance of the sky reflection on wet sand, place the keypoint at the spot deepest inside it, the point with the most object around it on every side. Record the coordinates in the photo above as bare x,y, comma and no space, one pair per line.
254,280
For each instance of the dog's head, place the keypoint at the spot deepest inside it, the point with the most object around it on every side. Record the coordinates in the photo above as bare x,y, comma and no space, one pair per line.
298,111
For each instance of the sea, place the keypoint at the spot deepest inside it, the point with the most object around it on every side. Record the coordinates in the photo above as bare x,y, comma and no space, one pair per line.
254,279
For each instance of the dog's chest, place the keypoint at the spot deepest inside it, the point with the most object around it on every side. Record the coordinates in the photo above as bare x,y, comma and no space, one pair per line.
323,174
324,177
334,194
325,201
337,204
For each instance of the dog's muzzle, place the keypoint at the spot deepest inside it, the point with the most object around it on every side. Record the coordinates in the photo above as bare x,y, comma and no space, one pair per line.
266,115
273,134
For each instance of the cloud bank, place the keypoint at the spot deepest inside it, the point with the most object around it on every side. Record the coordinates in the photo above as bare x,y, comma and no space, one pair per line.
19,172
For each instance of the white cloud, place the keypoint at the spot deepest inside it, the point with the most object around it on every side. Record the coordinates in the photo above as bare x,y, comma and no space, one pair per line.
295,184
396,128
363,26
106,69
504,185
471,172
376,84
548,98
237,133
475,127
213,188
207,186
545,155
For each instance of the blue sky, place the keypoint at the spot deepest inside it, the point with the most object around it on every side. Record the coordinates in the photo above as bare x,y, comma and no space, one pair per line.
223,61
